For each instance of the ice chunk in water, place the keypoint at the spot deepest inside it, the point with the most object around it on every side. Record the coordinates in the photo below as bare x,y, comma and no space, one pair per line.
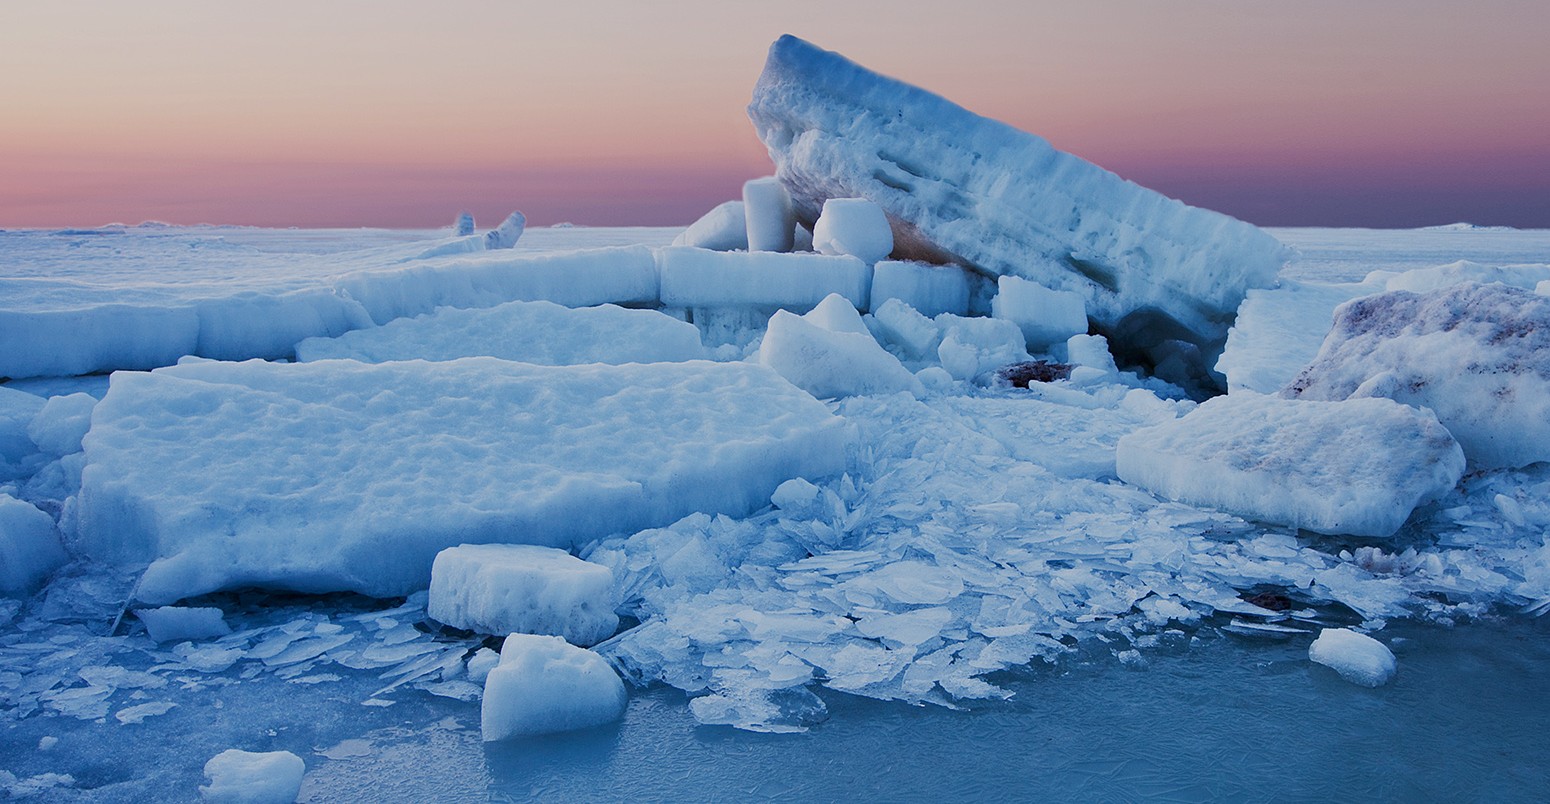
767,211
724,228
1358,658
832,362
518,588
29,546
853,226
177,624
244,777
543,685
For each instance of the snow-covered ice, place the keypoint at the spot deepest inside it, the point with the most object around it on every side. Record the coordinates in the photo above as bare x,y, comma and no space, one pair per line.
1358,658
853,226
345,476
246,777
693,277
961,188
971,347
29,546
544,685
180,623
1477,355
724,228
930,289
1356,467
830,353
58,428
538,332
523,589
767,213
1046,317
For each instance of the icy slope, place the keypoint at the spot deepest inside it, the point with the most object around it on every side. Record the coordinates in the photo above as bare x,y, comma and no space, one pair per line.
343,476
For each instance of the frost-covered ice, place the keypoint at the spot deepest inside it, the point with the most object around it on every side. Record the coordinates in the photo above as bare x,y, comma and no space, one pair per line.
345,476
1357,467
544,685
971,347
830,353
246,777
1278,331
693,277
58,428
180,623
853,226
538,332
1046,317
1477,355
29,546
1358,658
19,456
724,228
523,589
961,188
930,289
767,213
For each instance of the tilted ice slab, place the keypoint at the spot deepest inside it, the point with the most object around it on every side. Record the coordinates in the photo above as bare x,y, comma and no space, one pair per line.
339,475
1477,355
961,188
1357,467
539,332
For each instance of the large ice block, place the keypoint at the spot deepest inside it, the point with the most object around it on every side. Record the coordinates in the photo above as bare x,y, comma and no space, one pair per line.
961,188
339,475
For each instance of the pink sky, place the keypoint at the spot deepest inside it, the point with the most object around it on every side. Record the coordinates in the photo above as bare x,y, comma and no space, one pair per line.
1383,112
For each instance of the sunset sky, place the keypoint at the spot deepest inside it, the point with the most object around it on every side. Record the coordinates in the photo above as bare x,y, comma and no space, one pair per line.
1375,113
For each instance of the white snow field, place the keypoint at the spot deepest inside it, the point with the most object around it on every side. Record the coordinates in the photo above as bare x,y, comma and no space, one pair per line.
544,685
965,545
523,588
338,475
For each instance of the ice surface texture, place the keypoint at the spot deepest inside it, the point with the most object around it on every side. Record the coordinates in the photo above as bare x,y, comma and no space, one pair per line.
1357,467
522,588
543,685
338,475
245,777
29,546
958,187
1358,658
539,332
1477,355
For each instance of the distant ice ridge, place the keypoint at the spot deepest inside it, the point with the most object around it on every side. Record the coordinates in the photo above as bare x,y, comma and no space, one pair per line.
326,464
961,188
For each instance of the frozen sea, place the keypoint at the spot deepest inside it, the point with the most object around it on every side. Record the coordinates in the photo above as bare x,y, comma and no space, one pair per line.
1215,707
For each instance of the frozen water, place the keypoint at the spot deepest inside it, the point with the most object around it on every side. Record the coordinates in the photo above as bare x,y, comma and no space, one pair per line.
1356,467
464,225
177,624
328,463
767,212
529,332
517,588
60,425
1358,658
245,777
694,277
930,289
724,228
1046,317
543,685
971,347
965,189
29,546
831,355
853,226
1478,355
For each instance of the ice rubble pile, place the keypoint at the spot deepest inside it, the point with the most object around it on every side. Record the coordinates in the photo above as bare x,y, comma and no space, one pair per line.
544,685
960,188
518,588
353,476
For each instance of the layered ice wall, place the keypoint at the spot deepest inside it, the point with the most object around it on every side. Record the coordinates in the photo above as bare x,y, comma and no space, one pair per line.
961,188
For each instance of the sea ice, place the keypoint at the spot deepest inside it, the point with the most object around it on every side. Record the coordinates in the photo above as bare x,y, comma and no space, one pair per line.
538,332
327,464
853,226
767,212
245,777
971,347
523,589
961,188
1355,467
693,277
29,546
544,685
930,289
1278,331
178,624
19,456
60,425
464,225
724,228
1358,658
1477,355
829,353
1046,317
913,334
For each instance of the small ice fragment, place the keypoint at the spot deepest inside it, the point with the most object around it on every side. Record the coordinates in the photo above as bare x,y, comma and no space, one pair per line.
853,226
1358,658
179,624
544,685
253,778
348,749
138,714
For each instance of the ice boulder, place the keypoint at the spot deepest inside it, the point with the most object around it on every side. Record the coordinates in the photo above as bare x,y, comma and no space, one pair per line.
1358,658
178,623
767,211
830,354
1477,355
245,777
960,188
523,589
853,226
901,325
972,346
930,289
1357,467
544,685
29,546
695,277
19,456
464,225
724,228
345,476
60,425
538,332
1045,316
